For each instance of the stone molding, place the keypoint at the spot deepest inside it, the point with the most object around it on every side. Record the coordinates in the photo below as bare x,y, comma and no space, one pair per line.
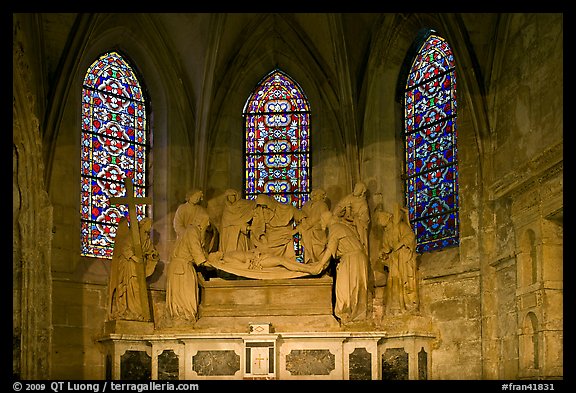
533,173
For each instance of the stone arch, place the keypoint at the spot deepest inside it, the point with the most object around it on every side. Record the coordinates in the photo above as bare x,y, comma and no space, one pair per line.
257,54
63,128
528,258
530,342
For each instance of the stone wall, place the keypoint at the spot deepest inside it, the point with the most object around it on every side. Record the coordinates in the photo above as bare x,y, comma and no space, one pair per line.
522,268
31,221
495,301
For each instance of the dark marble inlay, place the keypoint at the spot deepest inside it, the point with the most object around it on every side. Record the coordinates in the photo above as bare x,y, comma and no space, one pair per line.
135,365
310,362
271,355
248,362
271,359
168,365
394,364
225,362
108,367
422,364
360,364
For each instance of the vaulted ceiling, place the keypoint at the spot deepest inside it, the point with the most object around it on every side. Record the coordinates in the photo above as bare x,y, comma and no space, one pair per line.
230,31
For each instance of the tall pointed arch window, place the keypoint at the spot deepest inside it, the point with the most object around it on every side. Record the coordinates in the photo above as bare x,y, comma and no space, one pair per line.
277,140
114,145
430,145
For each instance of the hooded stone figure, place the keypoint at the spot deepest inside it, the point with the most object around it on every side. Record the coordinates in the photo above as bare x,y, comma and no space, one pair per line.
235,222
353,210
124,289
398,254
186,212
182,293
351,282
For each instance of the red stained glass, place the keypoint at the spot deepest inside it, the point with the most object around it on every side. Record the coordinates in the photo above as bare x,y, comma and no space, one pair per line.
277,140
430,146
277,143
114,146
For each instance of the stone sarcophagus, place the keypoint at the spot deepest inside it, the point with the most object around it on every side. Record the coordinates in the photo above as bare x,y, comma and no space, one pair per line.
298,301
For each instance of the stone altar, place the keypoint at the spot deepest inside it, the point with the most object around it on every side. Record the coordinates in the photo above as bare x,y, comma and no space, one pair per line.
343,355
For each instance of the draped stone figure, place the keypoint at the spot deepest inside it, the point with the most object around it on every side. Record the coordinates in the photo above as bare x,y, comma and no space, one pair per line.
351,282
186,213
313,235
182,293
235,222
259,264
353,209
123,285
272,226
398,254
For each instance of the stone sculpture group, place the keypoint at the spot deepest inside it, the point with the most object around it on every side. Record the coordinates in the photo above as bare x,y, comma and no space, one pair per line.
262,238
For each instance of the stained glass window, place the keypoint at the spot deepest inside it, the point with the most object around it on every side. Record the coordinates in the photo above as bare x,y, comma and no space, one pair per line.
430,143
277,151
114,145
277,143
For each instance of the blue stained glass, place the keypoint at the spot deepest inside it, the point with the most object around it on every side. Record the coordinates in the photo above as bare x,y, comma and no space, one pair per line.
276,121
430,146
113,146
277,147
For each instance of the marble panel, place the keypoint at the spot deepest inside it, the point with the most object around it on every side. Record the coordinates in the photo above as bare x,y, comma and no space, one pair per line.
135,365
168,365
310,362
422,364
360,364
395,364
216,363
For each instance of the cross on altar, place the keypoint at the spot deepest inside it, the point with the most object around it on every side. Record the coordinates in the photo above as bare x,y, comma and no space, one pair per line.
131,201
259,359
